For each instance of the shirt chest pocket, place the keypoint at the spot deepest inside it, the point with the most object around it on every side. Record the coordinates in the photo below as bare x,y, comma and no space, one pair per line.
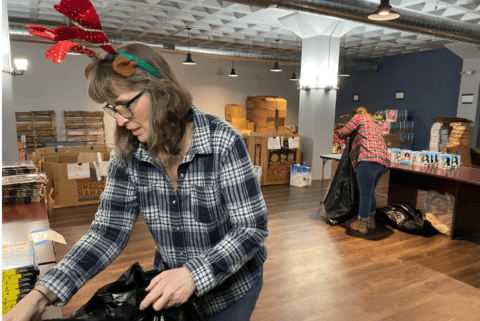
208,203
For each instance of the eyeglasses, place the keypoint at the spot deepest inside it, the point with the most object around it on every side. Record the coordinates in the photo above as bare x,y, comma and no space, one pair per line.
123,109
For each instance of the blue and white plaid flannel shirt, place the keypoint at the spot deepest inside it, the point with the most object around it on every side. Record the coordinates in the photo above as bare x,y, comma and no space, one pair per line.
214,224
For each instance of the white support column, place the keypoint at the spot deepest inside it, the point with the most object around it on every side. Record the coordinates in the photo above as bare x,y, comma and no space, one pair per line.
319,71
9,130
469,84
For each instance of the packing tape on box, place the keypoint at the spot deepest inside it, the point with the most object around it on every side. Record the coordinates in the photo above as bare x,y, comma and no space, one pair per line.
46,235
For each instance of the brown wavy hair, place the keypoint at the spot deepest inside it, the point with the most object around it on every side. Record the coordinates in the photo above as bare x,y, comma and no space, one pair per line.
170,101
362,111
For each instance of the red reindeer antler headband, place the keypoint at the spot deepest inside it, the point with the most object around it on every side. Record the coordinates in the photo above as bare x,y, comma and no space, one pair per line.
84,15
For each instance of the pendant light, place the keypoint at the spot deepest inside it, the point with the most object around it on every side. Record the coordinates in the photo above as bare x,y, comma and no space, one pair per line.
233,74
189,60
294,77
384,12
345,73
276,67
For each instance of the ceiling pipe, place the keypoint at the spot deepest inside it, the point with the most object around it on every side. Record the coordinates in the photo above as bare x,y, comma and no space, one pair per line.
354,10
18,32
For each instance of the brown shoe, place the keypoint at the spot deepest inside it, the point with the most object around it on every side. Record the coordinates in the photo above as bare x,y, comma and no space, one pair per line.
371,222
360,226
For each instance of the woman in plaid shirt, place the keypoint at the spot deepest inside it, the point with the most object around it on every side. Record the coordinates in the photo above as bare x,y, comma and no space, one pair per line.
371,159
189,175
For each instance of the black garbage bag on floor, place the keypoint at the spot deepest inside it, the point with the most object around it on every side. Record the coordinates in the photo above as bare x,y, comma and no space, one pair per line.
120,301
342,199
406,218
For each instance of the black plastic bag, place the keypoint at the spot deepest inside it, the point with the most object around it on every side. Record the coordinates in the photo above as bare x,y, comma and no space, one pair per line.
342,199
406,218
121,299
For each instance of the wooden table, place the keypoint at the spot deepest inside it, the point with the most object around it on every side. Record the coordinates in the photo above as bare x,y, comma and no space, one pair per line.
463,183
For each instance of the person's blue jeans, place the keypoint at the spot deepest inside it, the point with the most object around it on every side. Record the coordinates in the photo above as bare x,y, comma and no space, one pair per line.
368,175
242,310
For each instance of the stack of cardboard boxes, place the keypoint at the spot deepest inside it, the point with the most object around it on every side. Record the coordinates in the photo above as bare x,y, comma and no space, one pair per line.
234,115
459,142
267,113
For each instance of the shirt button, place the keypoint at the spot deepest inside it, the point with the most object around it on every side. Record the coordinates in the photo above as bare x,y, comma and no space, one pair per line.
174,202
177,229
181,174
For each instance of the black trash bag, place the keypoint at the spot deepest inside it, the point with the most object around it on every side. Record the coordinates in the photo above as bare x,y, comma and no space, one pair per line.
121,300
342,199
406,218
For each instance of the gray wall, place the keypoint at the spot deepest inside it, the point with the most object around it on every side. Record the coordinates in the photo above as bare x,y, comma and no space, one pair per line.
46,86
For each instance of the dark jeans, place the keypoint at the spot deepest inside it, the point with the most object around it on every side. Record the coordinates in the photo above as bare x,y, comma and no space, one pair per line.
242,310
368,175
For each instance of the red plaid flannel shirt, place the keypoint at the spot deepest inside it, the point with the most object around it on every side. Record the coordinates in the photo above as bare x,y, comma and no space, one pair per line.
368,143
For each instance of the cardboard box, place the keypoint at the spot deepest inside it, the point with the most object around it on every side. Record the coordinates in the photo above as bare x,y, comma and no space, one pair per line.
271,129
232,111
392,141
281,113
250,114
268,104
259,113
261,129
261,122
239,122
276,163
251,126
270,122
281,104
75,183
41,153
280,122
252,102
281,130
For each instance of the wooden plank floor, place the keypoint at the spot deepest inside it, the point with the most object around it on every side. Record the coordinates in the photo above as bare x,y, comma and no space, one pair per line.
315,271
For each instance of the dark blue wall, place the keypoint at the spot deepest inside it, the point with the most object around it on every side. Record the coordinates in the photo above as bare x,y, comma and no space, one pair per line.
430,80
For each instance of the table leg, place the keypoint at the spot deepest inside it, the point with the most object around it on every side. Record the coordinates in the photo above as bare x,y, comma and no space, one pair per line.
398,191
323,174
466,217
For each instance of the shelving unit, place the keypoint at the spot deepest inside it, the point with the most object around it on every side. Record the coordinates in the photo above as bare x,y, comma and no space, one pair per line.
37,126
85,126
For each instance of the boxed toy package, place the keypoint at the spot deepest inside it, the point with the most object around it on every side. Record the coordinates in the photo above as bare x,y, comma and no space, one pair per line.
416,158
455,161
406,157
425,158
446,161
434,158
393,154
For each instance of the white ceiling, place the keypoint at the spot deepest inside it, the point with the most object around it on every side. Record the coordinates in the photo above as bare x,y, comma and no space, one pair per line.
227,24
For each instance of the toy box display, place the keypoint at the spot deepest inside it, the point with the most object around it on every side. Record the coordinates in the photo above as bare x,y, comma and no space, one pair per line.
416,158
276,153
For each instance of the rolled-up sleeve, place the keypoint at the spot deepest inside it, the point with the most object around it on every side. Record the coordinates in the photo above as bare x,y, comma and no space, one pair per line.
248,215
107,237
351,126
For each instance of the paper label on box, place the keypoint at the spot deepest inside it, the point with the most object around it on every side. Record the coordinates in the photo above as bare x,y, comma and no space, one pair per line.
103,168
75,171
293,142
274,143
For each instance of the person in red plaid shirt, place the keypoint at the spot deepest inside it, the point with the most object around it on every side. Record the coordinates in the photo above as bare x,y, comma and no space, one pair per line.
370,159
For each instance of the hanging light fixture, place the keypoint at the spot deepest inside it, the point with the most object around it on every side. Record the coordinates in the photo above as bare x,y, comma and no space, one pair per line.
384,12
189,60
232,73
345,73
294,77
276,67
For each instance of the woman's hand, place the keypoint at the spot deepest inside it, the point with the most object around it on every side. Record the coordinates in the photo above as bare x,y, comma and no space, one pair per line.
169,288
30,308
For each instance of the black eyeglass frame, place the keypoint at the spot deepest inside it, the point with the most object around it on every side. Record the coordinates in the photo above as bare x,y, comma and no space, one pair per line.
112,108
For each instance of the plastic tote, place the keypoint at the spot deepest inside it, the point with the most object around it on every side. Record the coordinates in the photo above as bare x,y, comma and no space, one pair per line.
300,175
